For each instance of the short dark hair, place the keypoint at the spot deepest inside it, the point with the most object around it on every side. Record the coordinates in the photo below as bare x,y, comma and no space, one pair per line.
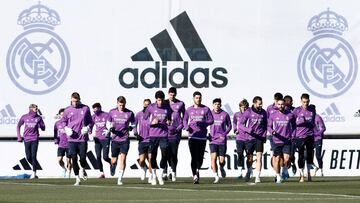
281,100
305,96
96,105
217,100
278,96
147,100
196,93
288,97
61,110
159,94
75,95
257,98
244,102
121,99
172,90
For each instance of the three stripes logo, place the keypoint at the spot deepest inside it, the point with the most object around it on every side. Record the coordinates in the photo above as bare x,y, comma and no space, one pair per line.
25,165
169,56
332,114
8,116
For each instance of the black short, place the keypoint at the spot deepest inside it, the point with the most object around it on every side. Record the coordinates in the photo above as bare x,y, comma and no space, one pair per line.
143,147
118,148
254,145
220,150
155,142
63,151
280,149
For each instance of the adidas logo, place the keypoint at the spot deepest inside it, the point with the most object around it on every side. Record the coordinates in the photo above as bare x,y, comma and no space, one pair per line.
332,114
166,50
8,116
26,165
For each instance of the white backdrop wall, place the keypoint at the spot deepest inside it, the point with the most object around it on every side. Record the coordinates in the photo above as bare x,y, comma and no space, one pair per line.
257,44
341,158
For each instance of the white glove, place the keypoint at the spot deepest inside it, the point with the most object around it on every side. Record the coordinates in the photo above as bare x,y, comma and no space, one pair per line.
68,131
106,132
109,124
84,130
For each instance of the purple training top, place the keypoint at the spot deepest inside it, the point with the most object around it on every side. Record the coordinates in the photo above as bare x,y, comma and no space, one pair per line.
254,123
283,125
32,122
196,121
271,109
305,121
162,114
99,121
319,128
220,128
60,137
120,122
76,118
241,135
144,126
178,108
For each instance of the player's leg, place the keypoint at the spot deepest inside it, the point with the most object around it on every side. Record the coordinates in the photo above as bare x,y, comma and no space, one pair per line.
142,156
163,143
213,156
193,153
68,162
277,150
153,148
34,149
98,149
309,145
60,157
105,150
240,148
299,142
82,160
115,151
172,154
124,149
200,158
318,147
221,155
250,148
73,151
259,153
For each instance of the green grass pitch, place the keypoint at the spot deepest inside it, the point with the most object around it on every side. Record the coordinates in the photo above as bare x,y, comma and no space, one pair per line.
324,189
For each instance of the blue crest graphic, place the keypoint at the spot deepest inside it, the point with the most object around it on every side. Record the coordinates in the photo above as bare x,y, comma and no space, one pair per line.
327,64
38,60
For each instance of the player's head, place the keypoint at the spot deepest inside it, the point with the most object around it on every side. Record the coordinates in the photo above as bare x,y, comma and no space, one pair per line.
277,96
217,104
280,105
61,112
197,98
121,102
160,97
75,99
172,93
33,107
257,102
96,107
146,103
243,105
288,100
305,100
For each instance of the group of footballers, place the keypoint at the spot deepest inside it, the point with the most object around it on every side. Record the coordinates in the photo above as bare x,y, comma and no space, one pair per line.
160,125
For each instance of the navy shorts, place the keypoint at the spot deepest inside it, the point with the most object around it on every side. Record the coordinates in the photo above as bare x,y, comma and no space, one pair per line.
76,148
240,146
143,147
63,151
220,150
280,149
254,145
155,142
118,148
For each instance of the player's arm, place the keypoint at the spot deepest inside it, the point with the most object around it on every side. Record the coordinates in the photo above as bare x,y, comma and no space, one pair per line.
56,139
18,127
209,119
228,124
186,121
41,124
243,124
